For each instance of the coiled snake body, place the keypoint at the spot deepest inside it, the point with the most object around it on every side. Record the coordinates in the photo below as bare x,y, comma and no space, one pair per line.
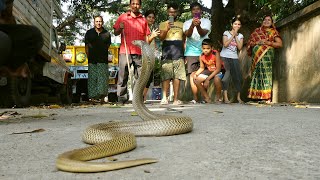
117,137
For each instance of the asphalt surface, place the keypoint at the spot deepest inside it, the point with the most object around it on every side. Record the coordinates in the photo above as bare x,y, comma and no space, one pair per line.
236,141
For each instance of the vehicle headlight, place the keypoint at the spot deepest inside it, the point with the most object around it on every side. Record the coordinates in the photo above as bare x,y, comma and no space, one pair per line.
81,57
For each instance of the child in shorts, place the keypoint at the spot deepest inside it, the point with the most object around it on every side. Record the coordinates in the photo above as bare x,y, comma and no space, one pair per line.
210,68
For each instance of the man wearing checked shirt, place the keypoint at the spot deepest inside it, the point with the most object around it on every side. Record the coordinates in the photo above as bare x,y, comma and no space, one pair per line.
132,26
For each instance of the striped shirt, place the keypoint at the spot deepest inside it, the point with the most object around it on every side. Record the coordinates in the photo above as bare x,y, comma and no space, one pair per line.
135,28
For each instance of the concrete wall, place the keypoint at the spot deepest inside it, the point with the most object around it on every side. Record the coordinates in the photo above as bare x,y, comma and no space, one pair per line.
297,63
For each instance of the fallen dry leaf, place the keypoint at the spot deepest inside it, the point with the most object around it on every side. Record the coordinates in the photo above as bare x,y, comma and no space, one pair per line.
34,131
300,106
54,106
8,114
113,106
171,110
35,116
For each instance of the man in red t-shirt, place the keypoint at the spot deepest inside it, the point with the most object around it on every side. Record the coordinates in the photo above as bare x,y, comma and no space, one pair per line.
132,26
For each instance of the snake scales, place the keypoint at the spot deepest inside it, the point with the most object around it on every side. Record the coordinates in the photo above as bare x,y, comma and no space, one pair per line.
117,137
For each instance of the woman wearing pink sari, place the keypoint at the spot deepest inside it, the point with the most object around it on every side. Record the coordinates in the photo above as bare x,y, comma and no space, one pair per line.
261,45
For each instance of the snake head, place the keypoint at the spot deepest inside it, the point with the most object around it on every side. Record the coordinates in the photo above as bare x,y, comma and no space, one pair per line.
139,43
146,49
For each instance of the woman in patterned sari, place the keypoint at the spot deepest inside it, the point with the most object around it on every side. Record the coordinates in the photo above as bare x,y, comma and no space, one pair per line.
261,45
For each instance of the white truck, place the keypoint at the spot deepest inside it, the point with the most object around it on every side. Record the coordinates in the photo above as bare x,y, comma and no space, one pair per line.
50,76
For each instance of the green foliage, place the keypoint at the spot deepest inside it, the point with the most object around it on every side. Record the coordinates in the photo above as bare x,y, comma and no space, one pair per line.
108,25
84,10
283,8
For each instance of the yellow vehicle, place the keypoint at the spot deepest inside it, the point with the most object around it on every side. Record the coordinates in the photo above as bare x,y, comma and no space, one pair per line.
77,61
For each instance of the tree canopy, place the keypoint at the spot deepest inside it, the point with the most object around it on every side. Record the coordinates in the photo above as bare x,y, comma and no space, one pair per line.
80,13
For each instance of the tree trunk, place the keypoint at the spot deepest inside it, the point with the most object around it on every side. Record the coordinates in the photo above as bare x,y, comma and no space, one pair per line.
221,21
217,21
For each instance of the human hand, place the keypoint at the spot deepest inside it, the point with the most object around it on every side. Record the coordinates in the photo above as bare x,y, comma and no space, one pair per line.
235,32
261,42
236,29
121,25
269,43
155,33
169,25
206,83
196,22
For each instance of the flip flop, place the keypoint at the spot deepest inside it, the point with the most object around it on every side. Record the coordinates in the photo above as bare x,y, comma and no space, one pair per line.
164,102
178,102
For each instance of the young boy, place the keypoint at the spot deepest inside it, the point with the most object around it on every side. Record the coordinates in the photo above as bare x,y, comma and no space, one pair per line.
210,68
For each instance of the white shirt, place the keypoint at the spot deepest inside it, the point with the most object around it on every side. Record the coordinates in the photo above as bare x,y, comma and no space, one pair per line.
193,45
232,50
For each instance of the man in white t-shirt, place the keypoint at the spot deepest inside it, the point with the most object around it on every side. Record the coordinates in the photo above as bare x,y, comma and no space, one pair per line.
195,29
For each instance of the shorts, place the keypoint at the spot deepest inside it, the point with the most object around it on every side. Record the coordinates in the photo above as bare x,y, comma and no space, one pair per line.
173,69
193,63
206,73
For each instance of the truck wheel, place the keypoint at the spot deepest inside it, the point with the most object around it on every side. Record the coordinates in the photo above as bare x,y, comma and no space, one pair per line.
3,95
76,98
18,92
66,93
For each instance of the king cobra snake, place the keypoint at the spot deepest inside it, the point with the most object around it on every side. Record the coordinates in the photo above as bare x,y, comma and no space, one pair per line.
117,137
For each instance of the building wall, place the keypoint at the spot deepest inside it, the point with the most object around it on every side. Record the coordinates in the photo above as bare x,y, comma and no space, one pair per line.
297,63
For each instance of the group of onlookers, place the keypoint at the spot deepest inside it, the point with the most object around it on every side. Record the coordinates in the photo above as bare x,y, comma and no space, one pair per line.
186,46
186,49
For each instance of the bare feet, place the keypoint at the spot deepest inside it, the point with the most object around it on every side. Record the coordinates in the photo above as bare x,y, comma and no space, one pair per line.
207,100
240,101
218,101
164,102
225,97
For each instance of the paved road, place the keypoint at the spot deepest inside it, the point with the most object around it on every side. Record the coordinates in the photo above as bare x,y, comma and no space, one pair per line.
228,142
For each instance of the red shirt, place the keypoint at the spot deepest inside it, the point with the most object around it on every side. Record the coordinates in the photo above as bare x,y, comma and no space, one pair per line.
209,61
135,28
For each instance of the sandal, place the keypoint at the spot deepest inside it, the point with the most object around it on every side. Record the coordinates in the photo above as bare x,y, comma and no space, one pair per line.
207,100
164,102
269,102
218,101
178,102
240,101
